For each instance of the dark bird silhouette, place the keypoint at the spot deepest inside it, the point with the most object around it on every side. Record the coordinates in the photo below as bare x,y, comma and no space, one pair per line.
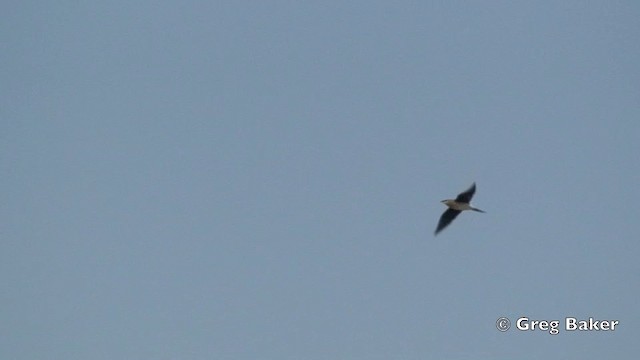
460,204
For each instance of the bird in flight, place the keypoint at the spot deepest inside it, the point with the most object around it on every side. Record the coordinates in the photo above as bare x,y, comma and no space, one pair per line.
460,204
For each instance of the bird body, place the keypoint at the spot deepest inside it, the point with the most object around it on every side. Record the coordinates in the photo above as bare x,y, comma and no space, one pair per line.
455,207
452,204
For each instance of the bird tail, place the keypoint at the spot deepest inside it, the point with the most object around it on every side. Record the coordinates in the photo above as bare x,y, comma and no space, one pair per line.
478,210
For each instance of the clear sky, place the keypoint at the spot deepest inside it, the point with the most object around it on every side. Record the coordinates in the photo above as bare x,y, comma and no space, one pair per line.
262,179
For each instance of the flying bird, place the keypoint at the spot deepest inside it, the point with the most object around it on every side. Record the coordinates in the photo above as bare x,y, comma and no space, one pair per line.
460,204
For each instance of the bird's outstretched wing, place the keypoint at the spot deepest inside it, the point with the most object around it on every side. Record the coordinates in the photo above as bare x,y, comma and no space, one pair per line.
446,219
465,197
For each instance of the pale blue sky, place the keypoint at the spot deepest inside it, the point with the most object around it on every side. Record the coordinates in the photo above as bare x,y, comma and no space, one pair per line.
261,180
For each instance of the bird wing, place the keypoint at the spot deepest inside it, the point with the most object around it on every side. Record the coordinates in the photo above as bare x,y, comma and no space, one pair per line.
465,197
446,219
